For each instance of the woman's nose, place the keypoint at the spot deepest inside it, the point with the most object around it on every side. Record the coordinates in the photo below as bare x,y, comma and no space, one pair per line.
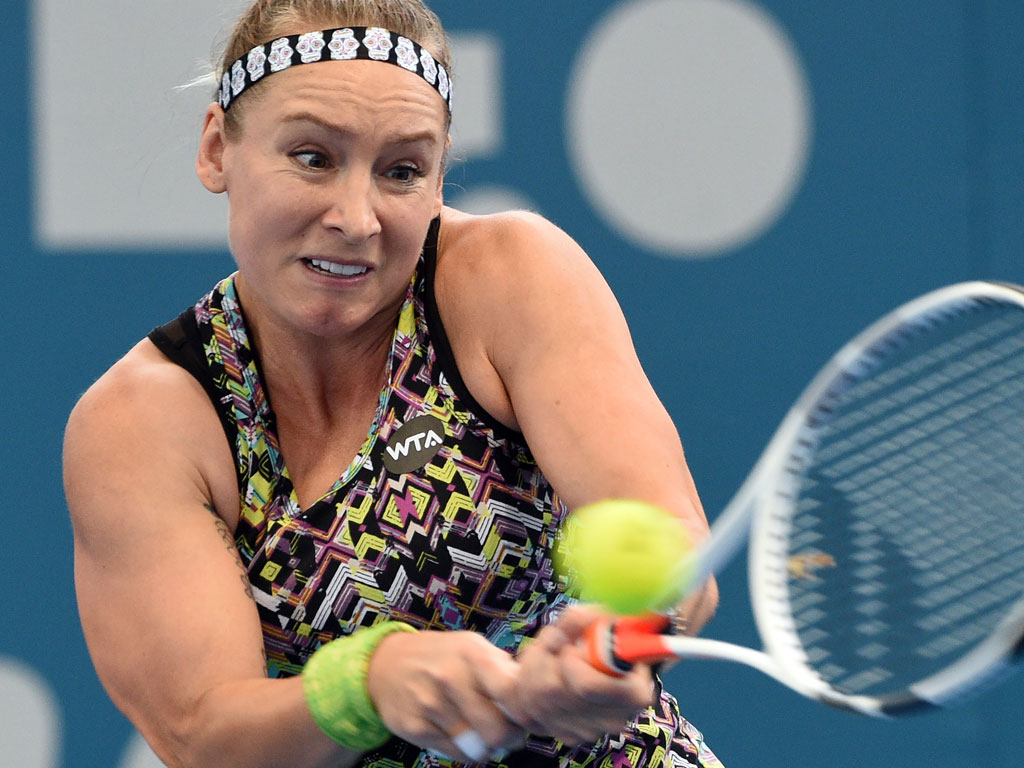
353,210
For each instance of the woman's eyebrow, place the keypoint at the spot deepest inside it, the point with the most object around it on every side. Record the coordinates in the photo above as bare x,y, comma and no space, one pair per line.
412,137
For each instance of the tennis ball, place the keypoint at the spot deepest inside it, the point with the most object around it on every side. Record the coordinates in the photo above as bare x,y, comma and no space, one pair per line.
630,556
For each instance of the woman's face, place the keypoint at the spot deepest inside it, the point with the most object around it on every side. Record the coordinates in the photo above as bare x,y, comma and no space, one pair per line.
332,184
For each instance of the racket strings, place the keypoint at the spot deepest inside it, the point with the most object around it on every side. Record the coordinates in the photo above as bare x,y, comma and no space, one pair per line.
908,398
905,533
867,371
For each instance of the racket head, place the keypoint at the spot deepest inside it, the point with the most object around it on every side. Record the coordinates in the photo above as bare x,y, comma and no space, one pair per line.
887,540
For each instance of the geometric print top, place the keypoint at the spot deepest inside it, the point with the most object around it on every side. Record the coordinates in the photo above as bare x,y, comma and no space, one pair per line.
442,520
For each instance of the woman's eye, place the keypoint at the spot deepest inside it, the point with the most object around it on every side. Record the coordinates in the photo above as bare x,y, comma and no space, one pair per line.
405,173
312,159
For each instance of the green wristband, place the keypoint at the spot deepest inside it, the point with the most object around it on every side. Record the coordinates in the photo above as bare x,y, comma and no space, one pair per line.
334,685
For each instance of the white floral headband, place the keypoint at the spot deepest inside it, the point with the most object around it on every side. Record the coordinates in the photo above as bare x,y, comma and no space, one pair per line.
345,43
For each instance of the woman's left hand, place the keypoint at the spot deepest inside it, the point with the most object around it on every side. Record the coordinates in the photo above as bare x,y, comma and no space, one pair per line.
560,694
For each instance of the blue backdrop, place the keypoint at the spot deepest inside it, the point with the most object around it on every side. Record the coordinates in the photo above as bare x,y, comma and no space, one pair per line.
913,180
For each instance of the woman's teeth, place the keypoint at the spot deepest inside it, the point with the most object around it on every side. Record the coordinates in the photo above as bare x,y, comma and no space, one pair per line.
347,270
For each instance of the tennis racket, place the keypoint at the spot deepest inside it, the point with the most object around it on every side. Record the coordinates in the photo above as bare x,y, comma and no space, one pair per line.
885,522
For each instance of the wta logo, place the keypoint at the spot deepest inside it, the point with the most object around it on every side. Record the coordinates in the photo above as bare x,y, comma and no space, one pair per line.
414,445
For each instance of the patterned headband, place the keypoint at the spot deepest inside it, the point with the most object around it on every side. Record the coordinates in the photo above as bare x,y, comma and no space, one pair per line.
345,43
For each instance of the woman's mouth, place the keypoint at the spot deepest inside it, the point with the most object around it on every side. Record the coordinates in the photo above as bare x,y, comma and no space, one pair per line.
332,268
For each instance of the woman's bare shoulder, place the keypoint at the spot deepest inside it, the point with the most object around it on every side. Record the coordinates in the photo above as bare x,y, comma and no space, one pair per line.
507,256
143,383
147,418
506,235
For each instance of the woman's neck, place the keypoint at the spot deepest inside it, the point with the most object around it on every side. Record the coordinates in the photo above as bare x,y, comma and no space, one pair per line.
321,379
324,394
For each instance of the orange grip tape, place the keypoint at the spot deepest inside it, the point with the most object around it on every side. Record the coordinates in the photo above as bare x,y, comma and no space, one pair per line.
648,622
637,646
614,646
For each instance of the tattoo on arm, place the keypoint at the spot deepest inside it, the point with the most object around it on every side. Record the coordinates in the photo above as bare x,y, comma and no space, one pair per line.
229,541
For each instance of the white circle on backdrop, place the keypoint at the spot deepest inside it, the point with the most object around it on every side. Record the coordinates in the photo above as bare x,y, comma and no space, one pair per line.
30,718
688,123
138,754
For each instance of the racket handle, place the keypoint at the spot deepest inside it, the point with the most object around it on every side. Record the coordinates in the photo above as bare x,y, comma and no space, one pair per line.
615,645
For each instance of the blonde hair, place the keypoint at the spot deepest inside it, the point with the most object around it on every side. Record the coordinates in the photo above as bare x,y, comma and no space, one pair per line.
266,19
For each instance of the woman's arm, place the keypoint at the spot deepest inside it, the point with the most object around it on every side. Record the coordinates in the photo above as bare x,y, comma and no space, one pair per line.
164,601
548,351
167,610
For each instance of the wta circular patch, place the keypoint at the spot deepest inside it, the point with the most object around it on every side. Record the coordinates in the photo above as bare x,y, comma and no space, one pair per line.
414,445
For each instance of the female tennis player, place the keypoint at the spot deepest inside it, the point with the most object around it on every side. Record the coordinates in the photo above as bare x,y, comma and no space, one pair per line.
314,514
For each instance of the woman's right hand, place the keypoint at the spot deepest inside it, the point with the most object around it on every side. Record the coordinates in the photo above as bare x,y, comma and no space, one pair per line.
431,688
562,695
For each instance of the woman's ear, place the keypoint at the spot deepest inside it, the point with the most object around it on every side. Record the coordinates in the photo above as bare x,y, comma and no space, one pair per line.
210,160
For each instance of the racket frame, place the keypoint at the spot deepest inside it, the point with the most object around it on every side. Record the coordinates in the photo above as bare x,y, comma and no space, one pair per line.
762,510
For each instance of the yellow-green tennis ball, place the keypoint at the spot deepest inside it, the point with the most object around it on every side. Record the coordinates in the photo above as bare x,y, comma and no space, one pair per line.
629,556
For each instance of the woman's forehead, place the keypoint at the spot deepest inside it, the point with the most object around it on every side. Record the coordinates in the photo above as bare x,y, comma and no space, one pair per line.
353,93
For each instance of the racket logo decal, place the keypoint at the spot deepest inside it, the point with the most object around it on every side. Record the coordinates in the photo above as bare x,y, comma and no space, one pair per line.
807,565
414,445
